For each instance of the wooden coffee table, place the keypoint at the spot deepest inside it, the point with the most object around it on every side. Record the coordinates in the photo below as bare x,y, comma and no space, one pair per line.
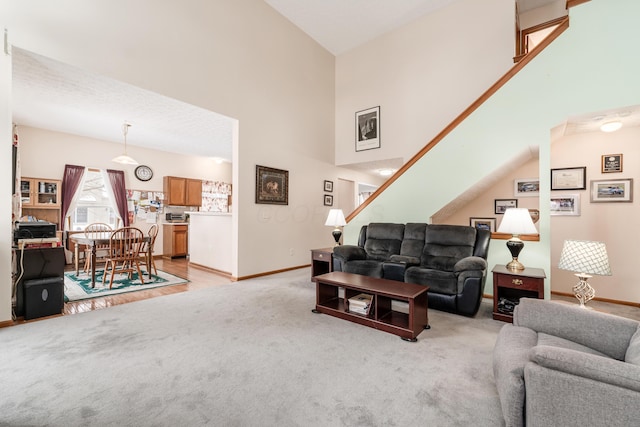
382,316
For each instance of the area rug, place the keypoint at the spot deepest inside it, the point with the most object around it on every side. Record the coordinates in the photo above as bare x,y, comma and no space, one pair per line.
78,287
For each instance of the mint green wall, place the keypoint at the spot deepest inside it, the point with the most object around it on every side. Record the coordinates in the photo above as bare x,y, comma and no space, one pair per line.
590,67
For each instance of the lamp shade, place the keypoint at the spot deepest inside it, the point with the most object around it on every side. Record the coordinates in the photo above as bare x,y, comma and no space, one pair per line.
585,257
517,221
335,218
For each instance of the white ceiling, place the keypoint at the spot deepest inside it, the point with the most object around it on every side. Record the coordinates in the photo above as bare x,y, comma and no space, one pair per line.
51,95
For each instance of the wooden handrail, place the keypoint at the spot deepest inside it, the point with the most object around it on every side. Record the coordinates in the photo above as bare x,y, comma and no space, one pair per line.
466,113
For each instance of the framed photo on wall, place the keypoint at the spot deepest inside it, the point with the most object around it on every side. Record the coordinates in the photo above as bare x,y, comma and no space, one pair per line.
368,129
328,200
272,186
328,186
502,205
611,163
612,190
483,223
569,178
565,204
526,187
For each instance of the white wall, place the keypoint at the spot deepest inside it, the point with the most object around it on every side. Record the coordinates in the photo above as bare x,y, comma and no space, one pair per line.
5,185
422,76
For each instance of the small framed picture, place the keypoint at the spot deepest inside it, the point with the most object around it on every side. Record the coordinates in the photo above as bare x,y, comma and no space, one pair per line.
569,178
527,187
328,186
502,205
272,186
612,190
611,163
328,200
483,223
368,129
565,204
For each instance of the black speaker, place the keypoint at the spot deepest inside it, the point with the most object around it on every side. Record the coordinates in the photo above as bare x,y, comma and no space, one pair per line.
43,297
36,263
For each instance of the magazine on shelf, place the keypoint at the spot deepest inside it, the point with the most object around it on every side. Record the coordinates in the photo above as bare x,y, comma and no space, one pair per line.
361,304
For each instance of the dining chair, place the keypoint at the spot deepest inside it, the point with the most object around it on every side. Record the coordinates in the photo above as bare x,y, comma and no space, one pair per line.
124,254
148,249
96,230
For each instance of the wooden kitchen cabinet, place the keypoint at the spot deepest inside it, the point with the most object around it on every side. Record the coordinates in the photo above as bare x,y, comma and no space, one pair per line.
182,191
41,198
175,240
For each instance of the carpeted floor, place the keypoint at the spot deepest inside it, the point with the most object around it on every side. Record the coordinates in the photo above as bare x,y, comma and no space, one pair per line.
249,353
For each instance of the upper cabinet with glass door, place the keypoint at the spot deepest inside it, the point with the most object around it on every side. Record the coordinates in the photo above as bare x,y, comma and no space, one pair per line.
40,193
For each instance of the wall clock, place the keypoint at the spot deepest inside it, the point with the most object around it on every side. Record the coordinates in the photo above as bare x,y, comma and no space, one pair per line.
144,173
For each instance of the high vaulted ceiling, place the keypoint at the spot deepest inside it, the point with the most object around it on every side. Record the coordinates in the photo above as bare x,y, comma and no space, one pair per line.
51,95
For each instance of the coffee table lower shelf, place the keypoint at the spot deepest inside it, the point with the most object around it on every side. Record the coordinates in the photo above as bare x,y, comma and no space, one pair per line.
406,325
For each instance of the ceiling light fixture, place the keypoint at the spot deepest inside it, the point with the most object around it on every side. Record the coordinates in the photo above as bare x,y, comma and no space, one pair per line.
124,158
386,172
611,126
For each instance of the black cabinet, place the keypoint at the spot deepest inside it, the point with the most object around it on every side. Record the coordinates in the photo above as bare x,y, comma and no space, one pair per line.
39,281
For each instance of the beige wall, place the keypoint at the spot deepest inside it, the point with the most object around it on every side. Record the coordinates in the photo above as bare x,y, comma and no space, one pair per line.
5,186
422,76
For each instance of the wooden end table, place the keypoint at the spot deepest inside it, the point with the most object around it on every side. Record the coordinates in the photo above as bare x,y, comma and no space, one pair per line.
515,284
321,261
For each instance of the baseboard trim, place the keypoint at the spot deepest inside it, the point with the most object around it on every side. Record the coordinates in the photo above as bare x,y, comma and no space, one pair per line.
6,323
611,301
212,270
268,273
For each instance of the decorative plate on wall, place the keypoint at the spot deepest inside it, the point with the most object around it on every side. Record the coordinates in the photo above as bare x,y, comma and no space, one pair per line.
144,173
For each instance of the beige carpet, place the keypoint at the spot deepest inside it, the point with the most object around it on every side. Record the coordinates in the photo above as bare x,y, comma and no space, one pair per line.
249,353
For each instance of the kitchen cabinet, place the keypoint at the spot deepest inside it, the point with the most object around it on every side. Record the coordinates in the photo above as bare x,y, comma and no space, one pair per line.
41,198
175,240
182,191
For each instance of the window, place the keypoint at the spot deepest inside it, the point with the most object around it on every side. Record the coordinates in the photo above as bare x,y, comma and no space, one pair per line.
94,203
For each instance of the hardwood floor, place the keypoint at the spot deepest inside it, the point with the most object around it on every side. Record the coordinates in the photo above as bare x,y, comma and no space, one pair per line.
198,278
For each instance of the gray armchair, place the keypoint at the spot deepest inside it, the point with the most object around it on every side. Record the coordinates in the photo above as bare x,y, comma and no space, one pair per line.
559,365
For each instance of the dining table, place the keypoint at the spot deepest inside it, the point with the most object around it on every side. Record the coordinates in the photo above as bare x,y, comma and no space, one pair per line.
94,242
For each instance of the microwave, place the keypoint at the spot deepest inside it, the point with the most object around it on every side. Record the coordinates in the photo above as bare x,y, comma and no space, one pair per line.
176,217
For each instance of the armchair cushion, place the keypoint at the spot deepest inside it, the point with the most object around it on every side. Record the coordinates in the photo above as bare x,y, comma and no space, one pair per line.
633,352
597,368
348,252
470,263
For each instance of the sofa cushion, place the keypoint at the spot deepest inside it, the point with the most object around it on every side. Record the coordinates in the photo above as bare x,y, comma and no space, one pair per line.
413,240
383,240
445,245
633,352
371,268
440,282
510,355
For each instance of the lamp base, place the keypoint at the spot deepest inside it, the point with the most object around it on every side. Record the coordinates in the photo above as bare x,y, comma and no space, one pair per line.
583,290
515,245
336,235
515,265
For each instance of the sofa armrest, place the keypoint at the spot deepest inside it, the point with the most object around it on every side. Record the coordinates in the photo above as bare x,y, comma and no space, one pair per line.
605,333
588,366
470,263
349,253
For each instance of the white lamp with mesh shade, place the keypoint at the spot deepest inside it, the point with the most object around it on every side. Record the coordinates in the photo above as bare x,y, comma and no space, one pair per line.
516,221
336,219
584,258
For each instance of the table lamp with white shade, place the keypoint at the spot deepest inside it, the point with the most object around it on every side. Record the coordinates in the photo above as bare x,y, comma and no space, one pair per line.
336,219
584,258
516,221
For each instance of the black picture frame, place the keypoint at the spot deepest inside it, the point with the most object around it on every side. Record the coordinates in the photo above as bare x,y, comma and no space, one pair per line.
611,163
272,186
328,200
328,186
501,205
368,129
569,178
483,223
